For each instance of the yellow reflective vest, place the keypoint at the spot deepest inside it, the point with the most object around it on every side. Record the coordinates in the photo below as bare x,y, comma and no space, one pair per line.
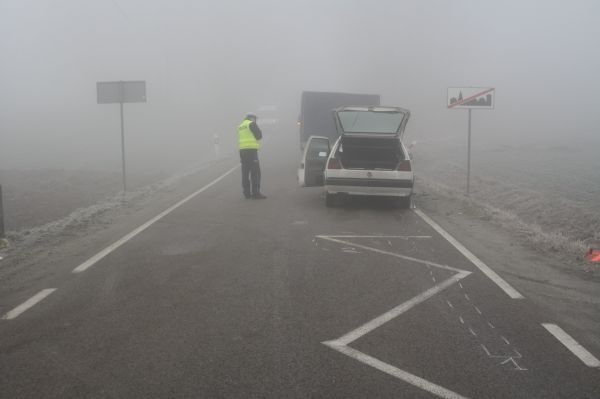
247,139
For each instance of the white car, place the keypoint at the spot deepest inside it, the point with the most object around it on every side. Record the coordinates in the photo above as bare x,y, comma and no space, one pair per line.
368,158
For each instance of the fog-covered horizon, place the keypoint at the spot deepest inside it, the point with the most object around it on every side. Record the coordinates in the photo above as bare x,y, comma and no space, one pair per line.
206,63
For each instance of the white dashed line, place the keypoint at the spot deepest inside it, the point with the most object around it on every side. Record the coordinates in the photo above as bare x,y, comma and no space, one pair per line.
450,304
461,320
477,310
485,269
505,340
94,259
28,304
586,357
490,324
467,297
472,332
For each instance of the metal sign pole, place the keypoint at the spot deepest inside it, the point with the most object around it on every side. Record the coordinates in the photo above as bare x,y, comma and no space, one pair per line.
469,156
1,216
123,149
121,92
121,99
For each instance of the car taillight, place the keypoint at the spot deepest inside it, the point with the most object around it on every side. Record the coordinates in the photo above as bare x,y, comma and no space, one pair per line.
333,163
404,166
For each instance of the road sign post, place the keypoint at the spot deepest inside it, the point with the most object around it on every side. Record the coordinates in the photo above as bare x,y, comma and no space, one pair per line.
121,92
470,98
2,233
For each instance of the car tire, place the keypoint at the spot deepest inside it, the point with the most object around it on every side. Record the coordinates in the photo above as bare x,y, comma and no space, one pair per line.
329,200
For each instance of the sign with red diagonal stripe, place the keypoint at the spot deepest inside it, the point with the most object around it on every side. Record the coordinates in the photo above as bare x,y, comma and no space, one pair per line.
471,97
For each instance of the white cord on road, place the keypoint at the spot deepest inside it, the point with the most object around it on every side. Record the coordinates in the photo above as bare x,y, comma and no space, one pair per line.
94,259
28,304
583,354
485,269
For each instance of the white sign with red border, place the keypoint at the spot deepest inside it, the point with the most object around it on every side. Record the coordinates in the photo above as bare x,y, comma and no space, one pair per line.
471,97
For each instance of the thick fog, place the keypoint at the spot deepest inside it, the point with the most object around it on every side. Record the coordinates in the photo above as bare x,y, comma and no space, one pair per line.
208,62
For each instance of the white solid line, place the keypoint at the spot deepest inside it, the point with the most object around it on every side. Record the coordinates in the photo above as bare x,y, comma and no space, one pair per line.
366,236
394,372
398,310
94,259
28,303
485,269
379,251
586,357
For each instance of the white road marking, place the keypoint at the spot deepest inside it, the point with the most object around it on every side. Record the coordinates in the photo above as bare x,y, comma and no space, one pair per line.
410,258
505,340
341,344
583,354
450,304
28,304
490,324
472,331
94,259
477,310
462,321
372,236
487,352
460,285
506,358
433,278
393,371
467,297
398,310
485,269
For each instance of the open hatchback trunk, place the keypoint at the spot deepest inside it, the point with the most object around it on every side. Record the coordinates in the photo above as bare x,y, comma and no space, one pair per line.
376,153
370,136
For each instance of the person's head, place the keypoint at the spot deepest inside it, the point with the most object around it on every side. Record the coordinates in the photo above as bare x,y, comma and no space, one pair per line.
251,116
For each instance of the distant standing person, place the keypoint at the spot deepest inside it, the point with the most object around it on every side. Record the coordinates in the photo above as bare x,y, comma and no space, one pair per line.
250,137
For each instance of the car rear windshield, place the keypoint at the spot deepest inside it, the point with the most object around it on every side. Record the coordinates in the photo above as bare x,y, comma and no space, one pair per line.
370,122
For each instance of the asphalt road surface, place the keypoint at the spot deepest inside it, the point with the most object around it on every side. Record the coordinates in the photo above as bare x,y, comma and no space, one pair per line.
223,297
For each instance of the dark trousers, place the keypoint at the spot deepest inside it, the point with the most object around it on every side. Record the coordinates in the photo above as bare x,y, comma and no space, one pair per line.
250,172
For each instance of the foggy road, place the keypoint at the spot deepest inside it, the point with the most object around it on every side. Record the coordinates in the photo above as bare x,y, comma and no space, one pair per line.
219,296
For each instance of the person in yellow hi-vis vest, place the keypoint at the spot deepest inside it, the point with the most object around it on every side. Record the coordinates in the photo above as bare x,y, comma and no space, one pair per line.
250,137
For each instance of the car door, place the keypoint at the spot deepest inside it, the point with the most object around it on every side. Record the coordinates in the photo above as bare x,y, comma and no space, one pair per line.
314,159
